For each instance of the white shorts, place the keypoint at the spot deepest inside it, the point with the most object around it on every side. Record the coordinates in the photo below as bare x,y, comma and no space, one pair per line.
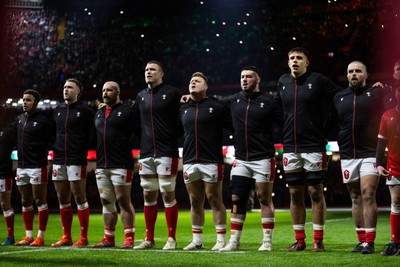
208,172
162,166
34,176
68,172
116,176
353,169
312,162
262,171
5,185
393,180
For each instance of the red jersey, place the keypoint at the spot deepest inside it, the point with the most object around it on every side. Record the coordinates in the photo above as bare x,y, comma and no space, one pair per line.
390,131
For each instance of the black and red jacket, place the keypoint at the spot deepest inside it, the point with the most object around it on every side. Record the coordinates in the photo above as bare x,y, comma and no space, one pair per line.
305,101
158,110
35,137
359,112
74,124
254,119
8,141
203,123
114,133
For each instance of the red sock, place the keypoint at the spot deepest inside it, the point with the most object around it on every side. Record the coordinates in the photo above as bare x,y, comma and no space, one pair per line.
10,225
370,236
361,235
109,234
43,218
66,220
171,215
318,235
28,217
150,215
129,232
300,235
83,216
395,226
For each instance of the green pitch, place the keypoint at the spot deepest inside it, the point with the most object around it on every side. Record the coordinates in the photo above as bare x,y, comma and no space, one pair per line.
340,238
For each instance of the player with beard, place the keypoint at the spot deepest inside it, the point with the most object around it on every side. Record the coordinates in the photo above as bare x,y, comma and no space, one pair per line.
359,110
114,171
255,115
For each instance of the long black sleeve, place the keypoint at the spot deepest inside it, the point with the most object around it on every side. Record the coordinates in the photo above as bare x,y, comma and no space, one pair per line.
380,151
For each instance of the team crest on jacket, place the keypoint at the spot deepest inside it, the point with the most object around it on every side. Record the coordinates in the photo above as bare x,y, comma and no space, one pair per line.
164,96
78,114
185,176
1,133
285,161
309,86
54,173
210,110
346,174
262,105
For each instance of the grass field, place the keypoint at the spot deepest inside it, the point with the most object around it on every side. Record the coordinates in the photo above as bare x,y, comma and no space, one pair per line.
340,238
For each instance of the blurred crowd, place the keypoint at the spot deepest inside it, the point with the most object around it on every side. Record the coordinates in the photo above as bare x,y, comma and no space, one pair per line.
47,46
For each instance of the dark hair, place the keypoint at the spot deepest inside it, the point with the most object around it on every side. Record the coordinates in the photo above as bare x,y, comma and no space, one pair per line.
300,50
157,63
78,83
200,74
252,68
35,94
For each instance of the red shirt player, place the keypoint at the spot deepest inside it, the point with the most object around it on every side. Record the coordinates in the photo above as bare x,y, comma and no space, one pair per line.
389,136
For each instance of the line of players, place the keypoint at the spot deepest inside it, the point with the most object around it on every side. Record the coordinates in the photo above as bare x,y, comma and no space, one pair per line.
161,114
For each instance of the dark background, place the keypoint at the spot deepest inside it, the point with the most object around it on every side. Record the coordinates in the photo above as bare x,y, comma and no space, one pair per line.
182,34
